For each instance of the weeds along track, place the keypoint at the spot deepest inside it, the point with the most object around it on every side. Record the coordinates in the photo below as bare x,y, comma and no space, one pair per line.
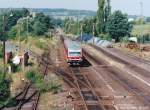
28,99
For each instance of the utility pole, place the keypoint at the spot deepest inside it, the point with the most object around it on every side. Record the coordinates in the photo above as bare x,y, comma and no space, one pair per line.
4,46
4,42
141,41
81,32
27,37
77,25
93,32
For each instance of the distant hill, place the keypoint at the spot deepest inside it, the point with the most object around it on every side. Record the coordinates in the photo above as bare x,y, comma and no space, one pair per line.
58,13
64,13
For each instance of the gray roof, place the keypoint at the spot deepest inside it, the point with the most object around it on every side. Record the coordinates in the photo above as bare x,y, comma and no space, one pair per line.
72,45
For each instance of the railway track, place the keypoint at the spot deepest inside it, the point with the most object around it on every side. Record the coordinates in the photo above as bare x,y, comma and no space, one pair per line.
81,85
90,98
140,70
121,77
28,99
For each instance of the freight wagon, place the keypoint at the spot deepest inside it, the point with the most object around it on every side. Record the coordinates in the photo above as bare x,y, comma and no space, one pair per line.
73,52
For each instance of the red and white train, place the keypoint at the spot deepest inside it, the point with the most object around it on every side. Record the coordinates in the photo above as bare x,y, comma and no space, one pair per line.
73,52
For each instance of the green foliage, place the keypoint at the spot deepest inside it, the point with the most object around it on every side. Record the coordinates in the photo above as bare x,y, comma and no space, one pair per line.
125,39
104,11
17,26
40,44
57,22
13,32
41,24
140,21
17,14
100,16
39,28
74,27
42,85
4,90
118,25
33,76
107,10
141,29
148,19
105,37
1,51
71,26
88,25
11,21
15,68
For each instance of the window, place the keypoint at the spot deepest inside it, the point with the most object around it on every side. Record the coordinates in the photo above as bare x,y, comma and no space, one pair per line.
74,54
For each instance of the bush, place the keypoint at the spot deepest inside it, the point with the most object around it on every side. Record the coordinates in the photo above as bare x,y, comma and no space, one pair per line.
4,92
33,76
52,83
105,37
42,85
40,44
15,68
1,51
118,25
4,89
125,39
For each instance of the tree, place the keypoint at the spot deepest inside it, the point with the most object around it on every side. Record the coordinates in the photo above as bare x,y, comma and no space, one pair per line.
107,10
4,90
148,19
11,20
118,25
71,26
13,32
41,24
88,25
39,28
103,13
100,16
17,14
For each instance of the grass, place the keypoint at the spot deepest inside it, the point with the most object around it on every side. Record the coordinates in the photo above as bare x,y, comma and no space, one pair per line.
43,86
4,90
138,29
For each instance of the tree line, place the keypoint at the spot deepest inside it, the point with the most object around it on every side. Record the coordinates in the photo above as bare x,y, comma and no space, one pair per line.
22,22
106,24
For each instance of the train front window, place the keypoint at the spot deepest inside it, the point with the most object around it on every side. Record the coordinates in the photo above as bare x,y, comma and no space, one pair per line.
73,54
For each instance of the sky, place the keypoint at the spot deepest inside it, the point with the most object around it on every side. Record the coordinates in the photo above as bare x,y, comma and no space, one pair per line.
131,7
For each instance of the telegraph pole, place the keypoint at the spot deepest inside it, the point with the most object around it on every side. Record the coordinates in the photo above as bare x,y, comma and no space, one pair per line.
4,46
81,32
141,41
5,18
93,32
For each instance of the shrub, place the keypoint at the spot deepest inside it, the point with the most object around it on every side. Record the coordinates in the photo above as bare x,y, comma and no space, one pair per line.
105,37
1,51
40,45
4,92
15,68
125,39
41,84
33,76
